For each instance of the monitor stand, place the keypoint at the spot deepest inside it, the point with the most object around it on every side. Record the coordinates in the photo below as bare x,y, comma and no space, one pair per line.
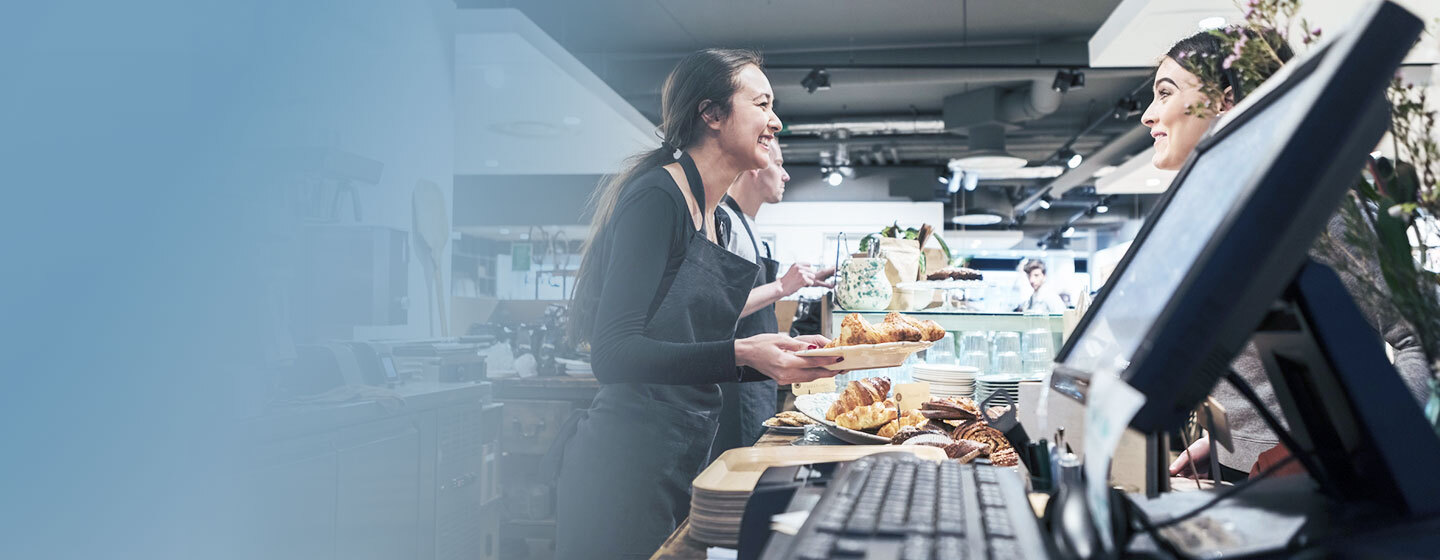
1345,403
1372,459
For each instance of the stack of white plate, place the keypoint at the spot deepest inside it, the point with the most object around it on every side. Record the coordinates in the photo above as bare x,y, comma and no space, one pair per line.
989,384
947,380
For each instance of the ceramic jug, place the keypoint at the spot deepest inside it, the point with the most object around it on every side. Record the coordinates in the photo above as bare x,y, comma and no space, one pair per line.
862,285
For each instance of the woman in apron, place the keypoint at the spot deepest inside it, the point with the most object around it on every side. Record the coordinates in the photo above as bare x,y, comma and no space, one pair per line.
657,300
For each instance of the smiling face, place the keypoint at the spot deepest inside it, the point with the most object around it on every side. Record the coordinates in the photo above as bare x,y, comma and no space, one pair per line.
1176,131
770,182
747,133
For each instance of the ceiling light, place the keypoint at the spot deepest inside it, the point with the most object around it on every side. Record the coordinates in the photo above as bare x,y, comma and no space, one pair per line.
834,178
1045,202
1074,161
977,219
954,182
972,180
1215,22
987,151
944,180
1069,232
1102,208
817,79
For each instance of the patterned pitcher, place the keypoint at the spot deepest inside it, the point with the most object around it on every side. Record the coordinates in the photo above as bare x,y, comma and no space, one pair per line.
862,285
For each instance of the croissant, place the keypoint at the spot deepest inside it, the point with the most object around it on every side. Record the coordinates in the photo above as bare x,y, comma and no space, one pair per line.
866,417
855,330
898,331
909,418
930,331
858,393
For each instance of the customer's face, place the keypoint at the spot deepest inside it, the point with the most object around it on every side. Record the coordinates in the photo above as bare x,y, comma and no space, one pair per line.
748,132
1174,129
1037,278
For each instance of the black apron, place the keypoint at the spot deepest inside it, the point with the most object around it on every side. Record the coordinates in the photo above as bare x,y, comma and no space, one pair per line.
624,482
746,405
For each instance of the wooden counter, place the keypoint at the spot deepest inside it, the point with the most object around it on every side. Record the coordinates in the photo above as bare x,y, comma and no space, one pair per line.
680,546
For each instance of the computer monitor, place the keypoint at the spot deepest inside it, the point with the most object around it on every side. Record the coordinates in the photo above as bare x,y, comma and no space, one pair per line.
1238,221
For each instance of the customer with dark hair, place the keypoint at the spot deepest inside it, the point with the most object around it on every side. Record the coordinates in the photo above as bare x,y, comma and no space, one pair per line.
1193,74
1043,298
657,300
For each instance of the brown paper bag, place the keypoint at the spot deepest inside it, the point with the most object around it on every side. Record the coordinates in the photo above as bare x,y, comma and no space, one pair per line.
934,261
902,264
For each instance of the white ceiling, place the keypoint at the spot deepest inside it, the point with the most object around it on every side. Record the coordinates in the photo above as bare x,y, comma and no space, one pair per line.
524,105
1138,32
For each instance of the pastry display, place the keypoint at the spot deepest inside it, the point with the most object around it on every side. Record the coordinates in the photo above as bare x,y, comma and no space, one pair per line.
855,330
867,417
1005,458
910,419
790,418
955,273
908,432
858,393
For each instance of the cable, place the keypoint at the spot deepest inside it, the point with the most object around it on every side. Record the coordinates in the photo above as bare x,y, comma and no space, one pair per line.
1228,492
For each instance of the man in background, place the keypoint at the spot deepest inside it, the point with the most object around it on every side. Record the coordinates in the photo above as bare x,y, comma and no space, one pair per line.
747,405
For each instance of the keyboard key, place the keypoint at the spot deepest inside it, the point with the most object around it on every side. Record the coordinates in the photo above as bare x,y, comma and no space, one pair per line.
817,547
849,547
949,547
1005,549
917,547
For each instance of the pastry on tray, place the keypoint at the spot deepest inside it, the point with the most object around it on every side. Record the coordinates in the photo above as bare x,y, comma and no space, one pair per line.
953,408
790,418
955,273
911,418
867,417
858,393
855,331
976,430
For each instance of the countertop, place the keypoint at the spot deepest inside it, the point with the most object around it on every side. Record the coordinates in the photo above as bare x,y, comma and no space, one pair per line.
353,405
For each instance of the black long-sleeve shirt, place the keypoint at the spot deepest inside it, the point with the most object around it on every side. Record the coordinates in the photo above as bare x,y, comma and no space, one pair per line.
641,249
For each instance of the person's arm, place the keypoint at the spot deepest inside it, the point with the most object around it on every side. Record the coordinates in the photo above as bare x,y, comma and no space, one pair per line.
799,276
642,233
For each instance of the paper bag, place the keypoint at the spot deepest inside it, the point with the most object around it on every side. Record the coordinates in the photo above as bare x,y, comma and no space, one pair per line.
902,264
934,261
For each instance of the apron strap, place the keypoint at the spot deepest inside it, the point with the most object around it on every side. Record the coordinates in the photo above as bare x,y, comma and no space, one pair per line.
697,186
745,221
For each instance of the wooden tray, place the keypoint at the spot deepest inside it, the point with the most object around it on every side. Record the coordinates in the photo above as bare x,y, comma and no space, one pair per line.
868,356
737,470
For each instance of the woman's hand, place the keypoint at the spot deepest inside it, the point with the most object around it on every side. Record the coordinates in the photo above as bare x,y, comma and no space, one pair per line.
774,356
1195,461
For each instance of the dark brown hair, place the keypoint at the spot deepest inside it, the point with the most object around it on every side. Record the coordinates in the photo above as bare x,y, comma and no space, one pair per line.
1203,54
1033,264
701,84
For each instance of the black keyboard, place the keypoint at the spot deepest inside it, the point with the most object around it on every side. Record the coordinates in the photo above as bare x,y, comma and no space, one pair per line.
896,506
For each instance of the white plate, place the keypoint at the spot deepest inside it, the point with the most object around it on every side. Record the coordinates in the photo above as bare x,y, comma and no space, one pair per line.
815,407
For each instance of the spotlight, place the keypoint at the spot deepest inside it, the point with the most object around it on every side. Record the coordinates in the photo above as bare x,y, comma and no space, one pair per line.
1101,209
817,79
944,180
834,178
1127,107
972,180
1045,202
1067,79
954,182
1069,232
1074,161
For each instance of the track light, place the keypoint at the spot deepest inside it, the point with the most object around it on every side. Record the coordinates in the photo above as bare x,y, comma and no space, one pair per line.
972,180
1065,80
1102,208
1044,202
834,178
1069,232
817,79
954,183
1074,161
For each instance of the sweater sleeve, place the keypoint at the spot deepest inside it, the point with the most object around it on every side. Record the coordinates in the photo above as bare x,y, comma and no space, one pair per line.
643,235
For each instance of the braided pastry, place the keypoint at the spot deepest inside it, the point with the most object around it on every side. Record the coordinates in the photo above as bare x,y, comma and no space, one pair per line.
976,430
866,417
954,408
858,393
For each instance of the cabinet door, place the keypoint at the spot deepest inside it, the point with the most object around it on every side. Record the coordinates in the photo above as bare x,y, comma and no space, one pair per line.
293,501
378,503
